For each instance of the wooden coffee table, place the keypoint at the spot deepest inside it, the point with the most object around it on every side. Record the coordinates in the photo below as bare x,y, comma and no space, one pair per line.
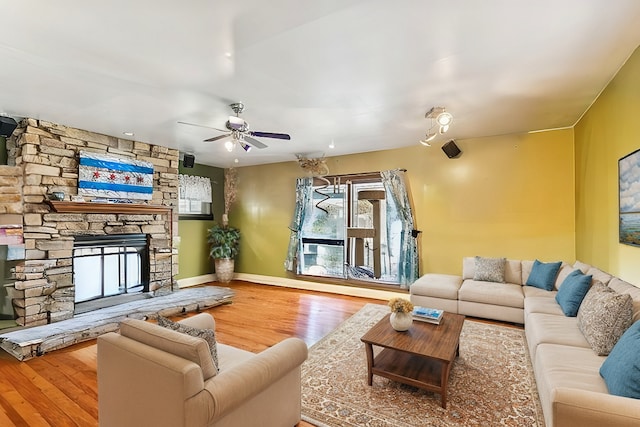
420,357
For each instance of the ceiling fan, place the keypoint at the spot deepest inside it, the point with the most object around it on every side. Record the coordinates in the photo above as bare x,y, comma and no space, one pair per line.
238,129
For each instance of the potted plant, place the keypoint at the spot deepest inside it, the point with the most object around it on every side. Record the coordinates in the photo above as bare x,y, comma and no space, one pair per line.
225,242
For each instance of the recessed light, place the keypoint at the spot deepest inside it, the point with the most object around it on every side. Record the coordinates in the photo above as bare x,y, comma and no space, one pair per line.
128,133
227,54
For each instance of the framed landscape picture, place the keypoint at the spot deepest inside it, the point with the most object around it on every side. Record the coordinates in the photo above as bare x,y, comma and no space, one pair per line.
629,187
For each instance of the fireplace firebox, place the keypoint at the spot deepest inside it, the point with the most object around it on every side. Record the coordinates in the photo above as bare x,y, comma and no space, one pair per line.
109,265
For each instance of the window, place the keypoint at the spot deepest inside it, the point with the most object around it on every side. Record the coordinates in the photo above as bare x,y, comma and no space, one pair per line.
354,227
194,197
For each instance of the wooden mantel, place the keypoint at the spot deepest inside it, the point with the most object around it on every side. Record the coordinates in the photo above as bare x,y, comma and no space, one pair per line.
92,207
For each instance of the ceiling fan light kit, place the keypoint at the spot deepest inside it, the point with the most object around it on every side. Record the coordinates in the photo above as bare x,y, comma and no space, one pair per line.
441,119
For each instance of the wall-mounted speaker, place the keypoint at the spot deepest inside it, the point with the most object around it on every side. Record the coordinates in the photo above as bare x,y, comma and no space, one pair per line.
7,126
451,149
189,160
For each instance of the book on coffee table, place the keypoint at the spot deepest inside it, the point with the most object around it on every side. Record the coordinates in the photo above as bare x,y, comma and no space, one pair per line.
430,315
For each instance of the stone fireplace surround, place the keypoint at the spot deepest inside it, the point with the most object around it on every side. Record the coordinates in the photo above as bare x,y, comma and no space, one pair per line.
43,158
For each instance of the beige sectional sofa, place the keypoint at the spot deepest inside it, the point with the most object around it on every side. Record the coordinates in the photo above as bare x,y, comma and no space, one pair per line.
154,376
566,368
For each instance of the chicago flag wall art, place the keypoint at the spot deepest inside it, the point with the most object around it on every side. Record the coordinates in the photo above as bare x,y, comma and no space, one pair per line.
112,177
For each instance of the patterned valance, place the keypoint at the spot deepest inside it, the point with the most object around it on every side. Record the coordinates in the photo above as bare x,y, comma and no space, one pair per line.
195,188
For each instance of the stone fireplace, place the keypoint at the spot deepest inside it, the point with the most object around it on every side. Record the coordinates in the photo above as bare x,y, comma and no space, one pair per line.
43,158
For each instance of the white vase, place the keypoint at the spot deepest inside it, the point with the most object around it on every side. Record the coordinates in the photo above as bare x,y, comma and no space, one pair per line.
401,321
224,269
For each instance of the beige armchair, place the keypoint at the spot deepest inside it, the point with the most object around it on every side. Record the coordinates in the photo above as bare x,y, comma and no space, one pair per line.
153,376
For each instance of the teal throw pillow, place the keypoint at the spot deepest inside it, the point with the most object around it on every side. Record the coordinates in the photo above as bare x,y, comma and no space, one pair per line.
621,369
572,292
543,274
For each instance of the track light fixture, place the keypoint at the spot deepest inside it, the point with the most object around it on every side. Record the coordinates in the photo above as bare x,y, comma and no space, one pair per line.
440,122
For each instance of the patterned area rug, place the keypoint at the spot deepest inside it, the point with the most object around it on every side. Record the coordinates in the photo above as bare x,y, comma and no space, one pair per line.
491,383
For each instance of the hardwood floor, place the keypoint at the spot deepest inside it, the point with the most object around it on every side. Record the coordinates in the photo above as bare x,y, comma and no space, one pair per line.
60,388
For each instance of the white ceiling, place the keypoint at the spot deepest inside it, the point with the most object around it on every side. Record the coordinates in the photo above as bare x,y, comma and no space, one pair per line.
359,73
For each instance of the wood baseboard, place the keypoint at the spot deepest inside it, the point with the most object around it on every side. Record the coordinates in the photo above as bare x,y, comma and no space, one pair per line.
299,284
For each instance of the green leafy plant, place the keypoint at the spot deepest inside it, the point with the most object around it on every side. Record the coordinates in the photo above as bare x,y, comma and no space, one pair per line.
224,241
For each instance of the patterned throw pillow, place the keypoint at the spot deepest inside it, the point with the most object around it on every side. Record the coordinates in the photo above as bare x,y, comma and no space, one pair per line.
206,334
604,316
489,269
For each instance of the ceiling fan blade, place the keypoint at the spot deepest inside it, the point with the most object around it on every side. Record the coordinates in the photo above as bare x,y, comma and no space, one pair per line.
255,142
203,126
270,135
215,138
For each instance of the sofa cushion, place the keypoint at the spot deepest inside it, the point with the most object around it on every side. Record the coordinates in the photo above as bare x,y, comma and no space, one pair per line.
489,269
538,304
572,291
512,270
437,286
208,335
532,291
579,265
564,271
622,287
505,294
603,317
553,329
599,275
543,274
621,370
191,348
560,366
572,367
229,356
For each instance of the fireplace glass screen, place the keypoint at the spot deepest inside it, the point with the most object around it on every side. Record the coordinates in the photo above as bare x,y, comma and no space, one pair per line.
105,266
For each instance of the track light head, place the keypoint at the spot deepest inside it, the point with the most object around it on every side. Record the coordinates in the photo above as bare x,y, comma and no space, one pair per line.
444,119
440,122
428,138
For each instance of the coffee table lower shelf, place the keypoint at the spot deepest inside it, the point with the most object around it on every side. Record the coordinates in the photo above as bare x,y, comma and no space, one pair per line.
416,371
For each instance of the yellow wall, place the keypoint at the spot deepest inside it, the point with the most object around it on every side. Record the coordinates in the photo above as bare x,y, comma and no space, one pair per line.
608,131
509,196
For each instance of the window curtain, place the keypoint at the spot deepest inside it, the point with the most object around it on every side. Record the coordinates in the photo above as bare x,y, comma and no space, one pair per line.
304,190
399,208
194,188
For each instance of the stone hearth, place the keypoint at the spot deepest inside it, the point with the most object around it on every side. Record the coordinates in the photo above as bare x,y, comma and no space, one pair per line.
43,158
